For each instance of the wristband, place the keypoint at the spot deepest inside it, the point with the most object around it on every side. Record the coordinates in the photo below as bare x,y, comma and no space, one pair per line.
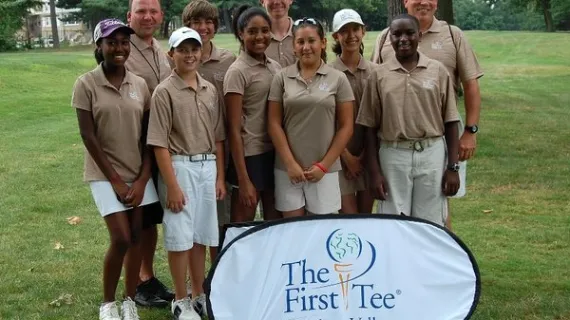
320,166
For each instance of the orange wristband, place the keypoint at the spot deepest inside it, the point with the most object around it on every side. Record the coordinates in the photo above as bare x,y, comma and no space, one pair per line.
320,166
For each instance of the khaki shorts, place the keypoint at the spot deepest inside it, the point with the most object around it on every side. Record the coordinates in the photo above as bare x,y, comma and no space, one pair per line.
351,186
106,199
322,197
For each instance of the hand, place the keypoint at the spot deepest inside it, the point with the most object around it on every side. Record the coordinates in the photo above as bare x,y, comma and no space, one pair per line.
353,166
175,199
121,190
135,195
296,173
450,183
378,187
248,194
314,174
467,145
220,189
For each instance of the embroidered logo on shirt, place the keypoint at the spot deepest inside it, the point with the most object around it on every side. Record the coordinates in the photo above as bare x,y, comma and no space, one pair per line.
134,95
324,86
437,45
219,76
428,84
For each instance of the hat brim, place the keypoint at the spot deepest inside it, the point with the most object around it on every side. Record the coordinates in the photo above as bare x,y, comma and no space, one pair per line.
116,28
179,41
347,22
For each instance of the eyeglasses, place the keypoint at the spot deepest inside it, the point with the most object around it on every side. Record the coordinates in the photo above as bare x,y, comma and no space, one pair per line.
306,21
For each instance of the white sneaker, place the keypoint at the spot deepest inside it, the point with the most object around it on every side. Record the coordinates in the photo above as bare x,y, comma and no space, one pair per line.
200,305
183,310
109,311
129,310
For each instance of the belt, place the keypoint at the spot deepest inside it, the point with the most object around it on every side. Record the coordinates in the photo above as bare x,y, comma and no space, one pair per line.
416,145
196,157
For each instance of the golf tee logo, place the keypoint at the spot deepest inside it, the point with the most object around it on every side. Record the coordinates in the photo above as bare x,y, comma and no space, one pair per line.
344,248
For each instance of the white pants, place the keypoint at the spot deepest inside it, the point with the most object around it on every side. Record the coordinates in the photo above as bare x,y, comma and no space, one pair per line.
414,182
319,198
198,220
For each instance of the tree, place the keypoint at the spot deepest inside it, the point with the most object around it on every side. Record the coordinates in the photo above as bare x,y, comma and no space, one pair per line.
395,7
542,6
13,13
445,11
53,18
93,11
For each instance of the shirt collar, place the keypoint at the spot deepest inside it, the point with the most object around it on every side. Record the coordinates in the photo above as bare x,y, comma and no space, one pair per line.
339,64
143,45
394,64
180,84
101,80
289,33
293,70
250,61
435,26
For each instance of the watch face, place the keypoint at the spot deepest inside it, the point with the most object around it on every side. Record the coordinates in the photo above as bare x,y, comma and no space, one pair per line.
473,129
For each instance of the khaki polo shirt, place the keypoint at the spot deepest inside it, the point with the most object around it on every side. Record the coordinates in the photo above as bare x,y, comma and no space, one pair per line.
436,43
185,121
281,50
148,62
309,111
214,70
118,116
408,105
252,79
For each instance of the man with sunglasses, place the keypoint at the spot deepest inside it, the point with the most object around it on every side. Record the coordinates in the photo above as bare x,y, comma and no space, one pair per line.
281,47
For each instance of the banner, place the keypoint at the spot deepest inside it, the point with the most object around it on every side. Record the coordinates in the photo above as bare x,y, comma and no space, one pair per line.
342,267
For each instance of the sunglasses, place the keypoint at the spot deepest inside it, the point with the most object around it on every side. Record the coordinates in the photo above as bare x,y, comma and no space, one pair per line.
306,21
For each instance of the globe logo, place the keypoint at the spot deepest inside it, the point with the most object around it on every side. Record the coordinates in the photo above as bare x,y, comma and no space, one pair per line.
344,248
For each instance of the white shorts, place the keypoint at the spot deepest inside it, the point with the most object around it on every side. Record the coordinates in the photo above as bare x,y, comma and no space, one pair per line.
462,166
198,220
106,198
319,198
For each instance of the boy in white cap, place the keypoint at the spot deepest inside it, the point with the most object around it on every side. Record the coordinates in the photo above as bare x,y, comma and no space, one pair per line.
187,132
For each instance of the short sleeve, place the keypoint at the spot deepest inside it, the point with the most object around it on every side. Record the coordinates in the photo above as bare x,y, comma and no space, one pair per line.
467,64
160,122
220,127
81,96
277,87
370,111
448,101
234,81
344,90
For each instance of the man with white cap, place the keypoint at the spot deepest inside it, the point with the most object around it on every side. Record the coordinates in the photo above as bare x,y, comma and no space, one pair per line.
187,133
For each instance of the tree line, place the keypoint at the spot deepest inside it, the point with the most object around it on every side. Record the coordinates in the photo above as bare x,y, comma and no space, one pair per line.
534,15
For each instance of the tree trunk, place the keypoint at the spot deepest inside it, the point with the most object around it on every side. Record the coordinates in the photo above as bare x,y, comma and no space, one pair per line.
445,11
395,7
545,4
53,18
227,19
165,25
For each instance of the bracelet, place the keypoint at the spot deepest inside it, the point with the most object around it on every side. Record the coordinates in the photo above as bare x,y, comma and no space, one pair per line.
320,166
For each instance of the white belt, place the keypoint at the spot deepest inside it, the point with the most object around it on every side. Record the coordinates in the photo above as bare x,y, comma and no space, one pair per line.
195,158
416,145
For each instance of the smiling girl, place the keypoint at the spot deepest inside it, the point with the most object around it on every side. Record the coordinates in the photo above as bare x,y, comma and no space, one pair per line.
246,87
310,122
112,109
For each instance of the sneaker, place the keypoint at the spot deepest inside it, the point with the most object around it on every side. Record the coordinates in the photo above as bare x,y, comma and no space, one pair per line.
129,310
183,310
149,300
109,311
157,288
200,305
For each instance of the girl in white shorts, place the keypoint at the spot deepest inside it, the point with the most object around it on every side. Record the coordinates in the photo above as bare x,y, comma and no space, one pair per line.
310,123
112,109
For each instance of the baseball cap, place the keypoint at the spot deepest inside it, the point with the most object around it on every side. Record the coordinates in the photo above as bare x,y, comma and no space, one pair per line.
182,34
106,27
345,16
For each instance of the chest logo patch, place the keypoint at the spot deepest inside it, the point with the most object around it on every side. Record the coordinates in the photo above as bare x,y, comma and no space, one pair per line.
428,84
324,86
437,45
134,95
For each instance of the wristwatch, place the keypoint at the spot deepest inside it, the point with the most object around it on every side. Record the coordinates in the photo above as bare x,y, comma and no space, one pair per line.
472,129
453,167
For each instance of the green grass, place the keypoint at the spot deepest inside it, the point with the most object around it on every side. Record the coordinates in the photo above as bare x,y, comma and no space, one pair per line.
521,172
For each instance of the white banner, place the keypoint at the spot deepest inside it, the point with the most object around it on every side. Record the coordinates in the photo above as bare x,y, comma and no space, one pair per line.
343,267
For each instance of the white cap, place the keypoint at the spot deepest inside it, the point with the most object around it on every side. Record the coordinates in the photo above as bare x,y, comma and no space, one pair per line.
345,16
182,34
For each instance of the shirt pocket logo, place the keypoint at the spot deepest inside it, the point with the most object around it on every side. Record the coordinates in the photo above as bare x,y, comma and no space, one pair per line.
134,95
324,86
428,84
219,76
437,45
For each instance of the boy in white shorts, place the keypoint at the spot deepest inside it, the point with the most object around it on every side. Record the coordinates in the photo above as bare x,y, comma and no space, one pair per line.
187,132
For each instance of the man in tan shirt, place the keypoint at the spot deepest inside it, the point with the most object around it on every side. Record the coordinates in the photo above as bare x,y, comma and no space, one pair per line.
448,45
148,61
281,47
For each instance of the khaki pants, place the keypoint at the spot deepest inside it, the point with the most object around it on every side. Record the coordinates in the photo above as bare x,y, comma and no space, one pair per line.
414,180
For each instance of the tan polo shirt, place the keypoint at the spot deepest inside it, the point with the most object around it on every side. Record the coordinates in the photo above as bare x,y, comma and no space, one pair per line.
214,70
309,111
436,43
184,121
281,50
148,62
118,116
357,81
252,79
408,105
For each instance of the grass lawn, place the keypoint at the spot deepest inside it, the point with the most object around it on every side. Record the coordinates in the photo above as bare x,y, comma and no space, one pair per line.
515,218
